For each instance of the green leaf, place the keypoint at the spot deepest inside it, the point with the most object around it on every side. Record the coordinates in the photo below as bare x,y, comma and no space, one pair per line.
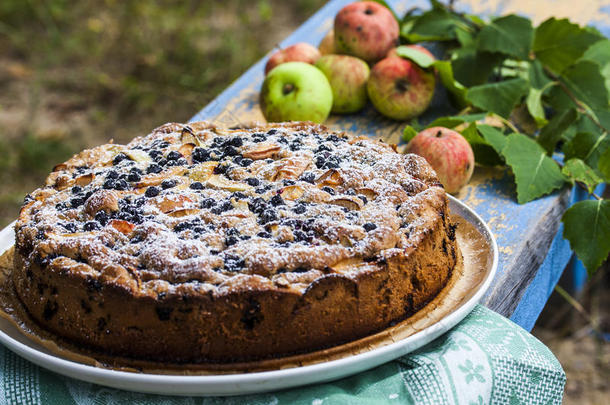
420,58
583,80
603,116
603,164
538,78
599,53
577,170
409,133
447,122
435,25
498,97
472,68
408,21
552,132
559,43
445,72
587,146
494,137
534,106
454,121
587,227
511,35
484,153
465,38
582,124
536,174
476,20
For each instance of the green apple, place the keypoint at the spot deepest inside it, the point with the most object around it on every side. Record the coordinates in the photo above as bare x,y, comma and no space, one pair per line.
296,91
347,76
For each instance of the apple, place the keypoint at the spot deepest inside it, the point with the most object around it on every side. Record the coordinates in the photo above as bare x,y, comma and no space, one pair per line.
327,44
347,76
296,91
301,52
365,29
400,89
449,154
420,48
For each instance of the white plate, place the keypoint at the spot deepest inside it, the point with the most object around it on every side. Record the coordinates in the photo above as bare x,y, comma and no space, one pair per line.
235,384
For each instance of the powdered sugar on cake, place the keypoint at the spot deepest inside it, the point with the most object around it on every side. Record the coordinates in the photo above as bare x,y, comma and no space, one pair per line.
209,207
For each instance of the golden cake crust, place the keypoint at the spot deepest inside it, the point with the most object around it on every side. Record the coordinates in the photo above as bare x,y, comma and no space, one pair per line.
202,244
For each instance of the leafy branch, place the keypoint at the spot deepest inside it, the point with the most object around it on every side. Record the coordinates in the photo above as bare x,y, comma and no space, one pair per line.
545,91
583,108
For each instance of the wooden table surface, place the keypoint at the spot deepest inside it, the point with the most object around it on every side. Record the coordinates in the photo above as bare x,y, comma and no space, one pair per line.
533,253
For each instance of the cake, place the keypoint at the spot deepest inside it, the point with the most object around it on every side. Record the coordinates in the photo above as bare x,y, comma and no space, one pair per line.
200,244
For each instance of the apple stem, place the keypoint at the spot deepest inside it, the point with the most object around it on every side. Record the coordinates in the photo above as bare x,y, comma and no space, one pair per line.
402,85
439,134
288,88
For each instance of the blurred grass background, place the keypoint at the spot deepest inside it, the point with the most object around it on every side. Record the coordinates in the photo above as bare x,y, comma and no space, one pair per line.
75,74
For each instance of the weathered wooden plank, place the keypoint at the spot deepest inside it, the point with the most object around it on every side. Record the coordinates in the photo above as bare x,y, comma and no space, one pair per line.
522,266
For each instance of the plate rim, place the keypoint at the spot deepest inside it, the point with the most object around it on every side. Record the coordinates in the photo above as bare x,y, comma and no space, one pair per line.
261,381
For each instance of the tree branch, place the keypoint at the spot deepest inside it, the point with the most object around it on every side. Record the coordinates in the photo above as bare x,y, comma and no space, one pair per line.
582,106
584,187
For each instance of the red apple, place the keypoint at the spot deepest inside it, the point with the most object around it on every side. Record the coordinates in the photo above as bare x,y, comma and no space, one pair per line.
327,44
420,48
449,154
400,89
301,52
365,29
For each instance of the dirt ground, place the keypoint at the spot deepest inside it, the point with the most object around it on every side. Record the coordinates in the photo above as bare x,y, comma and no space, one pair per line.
580,340
74,75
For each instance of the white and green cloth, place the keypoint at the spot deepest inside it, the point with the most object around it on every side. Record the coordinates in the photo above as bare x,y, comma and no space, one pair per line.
486,359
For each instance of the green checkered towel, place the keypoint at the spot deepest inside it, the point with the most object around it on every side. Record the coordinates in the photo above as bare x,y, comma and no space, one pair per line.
485,359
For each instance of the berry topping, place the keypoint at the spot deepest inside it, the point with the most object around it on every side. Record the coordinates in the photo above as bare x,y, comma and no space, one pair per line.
174,155
200,155
207,202
121,185
299,209
170,183
236,141
119,158
134,177
309,177
329,190
109,184
101,217
277,200
151,192
369,226
91,226
154,169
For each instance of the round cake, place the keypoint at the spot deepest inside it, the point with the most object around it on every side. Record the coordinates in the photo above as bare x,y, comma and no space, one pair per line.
200,244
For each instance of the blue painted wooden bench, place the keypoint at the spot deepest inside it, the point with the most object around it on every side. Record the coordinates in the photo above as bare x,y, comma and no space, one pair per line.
533,253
